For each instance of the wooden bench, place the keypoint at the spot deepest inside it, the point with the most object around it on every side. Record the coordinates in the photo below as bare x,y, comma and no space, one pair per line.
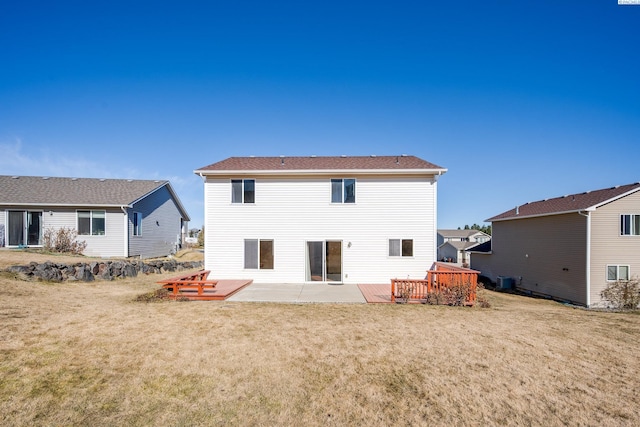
193,286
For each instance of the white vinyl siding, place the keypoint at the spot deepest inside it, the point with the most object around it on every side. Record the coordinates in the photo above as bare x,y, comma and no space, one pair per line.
297,209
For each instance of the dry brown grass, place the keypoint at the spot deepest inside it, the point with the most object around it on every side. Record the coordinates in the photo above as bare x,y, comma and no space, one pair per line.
87,354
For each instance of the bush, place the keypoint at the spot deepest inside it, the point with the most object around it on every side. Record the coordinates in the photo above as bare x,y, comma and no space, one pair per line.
63,240
201,238
623,294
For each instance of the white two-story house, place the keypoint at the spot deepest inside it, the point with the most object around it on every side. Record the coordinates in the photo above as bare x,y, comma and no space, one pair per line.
320,219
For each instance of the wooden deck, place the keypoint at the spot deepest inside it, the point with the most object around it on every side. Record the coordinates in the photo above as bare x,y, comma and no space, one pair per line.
228,287
441,279
197,286
376,293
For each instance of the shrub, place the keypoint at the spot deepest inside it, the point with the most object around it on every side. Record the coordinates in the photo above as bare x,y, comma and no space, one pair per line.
623,294
201,238
457,295
63,240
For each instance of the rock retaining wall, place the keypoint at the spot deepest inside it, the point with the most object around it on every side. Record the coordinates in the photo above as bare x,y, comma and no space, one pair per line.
103,270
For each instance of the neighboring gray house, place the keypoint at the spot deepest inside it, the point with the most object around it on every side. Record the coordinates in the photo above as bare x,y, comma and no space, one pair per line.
453,245
116,217
567,247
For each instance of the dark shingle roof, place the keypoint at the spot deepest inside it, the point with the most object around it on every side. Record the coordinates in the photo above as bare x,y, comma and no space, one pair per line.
571,203
482,247
312,163
32,190
461,245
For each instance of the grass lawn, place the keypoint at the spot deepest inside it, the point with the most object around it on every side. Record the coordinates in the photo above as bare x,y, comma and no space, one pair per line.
88,354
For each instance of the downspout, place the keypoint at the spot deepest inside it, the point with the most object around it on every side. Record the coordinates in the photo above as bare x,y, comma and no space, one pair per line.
204,219
588,260
126,231
434,233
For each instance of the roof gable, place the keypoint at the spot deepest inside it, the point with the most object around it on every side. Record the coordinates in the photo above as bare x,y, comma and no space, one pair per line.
589,200
321,163
449,233
32,190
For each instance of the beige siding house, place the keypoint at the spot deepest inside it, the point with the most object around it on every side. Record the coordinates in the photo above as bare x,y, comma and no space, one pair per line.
454,245
115,217
567,247
320,219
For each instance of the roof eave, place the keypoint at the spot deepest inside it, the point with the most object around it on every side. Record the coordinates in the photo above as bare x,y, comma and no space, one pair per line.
509,218
69,205
205,172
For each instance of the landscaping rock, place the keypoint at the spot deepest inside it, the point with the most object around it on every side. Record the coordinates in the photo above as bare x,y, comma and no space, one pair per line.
106,270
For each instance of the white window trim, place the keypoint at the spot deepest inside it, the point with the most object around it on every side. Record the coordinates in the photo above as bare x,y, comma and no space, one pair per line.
91,211
400,255
617,272
243,180
133,231
273,250
631,223
342,202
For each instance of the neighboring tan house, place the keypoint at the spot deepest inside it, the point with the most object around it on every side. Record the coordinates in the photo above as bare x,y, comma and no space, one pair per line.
115,217
567,247
453,245
320,219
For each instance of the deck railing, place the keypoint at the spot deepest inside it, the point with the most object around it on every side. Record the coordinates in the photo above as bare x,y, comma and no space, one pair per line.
445,284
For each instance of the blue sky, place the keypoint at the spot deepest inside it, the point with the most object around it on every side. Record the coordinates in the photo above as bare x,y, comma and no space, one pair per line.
519,100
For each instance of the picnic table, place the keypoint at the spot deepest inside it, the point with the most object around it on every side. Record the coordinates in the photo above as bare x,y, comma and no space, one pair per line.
193,286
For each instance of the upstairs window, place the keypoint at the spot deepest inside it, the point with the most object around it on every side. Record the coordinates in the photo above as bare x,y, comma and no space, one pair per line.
400,247
630,225
343,190
91,223
243,191
137,224
617,272
258,254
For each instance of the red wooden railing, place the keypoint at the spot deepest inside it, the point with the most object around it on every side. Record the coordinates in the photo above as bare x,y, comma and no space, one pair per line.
445,283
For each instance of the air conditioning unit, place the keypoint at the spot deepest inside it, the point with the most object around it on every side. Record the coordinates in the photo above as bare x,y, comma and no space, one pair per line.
504,282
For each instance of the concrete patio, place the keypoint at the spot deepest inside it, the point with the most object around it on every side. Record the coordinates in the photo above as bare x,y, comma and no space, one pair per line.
300,293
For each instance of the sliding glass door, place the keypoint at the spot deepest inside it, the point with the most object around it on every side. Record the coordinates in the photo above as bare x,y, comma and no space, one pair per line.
324,261
24,228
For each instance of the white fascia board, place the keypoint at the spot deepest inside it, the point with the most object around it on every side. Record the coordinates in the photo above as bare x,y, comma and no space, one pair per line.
321,172
613,199
67,205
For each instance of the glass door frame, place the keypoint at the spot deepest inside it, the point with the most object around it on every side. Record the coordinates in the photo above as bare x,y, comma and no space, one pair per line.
320,263
27,233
